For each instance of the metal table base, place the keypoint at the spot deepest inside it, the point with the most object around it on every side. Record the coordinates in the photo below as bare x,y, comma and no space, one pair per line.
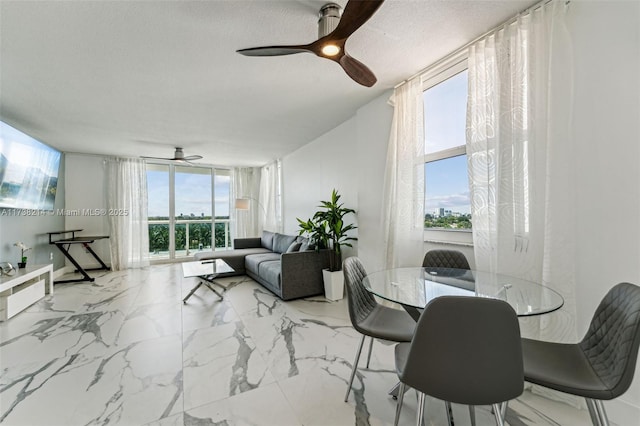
207,280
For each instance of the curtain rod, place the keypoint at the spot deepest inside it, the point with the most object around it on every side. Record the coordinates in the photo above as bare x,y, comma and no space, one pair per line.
464,47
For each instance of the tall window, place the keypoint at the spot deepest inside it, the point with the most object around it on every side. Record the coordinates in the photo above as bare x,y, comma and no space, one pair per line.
188,210
158,210
447,202
222,201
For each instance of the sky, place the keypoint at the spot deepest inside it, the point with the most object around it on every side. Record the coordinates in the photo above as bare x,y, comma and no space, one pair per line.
446,181
192,193
447,185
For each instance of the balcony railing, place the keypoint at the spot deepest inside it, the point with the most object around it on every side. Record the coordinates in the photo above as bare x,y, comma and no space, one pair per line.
190,236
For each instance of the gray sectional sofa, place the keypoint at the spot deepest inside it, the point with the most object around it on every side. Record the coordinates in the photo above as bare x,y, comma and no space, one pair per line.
284,264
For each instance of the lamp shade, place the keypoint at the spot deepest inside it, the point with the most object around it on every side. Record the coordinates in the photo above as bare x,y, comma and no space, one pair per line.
242,204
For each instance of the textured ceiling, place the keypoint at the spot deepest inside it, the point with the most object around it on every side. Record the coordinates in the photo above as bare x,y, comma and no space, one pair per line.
141,77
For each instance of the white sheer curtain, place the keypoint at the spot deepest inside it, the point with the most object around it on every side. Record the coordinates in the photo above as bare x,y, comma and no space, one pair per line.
271,197
518,149
403,215
246,184
127,211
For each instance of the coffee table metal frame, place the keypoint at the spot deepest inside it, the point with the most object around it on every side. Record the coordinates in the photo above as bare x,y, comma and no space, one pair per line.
206,271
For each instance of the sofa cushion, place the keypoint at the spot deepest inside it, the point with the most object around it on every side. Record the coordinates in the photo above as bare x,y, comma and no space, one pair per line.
234,258
294,247
271,271
253,261
267,240
282,242
243,243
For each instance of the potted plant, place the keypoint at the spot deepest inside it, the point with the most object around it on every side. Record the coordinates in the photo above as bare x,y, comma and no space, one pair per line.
328,229
23,249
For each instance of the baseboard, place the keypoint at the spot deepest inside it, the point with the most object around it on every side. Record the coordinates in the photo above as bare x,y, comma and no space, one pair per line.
62,271
622,412
619,411
565,398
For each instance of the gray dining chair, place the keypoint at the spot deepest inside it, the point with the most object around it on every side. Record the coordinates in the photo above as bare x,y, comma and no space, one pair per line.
370,318
451,259
445,259
465,350
602,365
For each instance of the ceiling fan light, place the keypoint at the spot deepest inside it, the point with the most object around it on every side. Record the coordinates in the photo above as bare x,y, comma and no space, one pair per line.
330,50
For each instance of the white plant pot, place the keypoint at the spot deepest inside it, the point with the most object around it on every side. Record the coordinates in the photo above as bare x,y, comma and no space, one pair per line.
333,284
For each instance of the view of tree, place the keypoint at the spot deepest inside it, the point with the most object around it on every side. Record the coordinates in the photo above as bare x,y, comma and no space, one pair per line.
448,222
199,234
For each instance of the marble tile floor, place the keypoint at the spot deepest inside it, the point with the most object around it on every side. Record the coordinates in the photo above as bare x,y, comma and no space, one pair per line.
125,350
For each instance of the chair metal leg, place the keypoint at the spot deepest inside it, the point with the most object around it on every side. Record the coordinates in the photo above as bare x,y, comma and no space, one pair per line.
401,389
602,414
447,406
472,414
498,415
355,367
503,409
420,416
593,412
370,349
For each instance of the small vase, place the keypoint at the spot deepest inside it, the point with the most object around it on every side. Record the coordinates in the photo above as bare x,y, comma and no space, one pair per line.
22,265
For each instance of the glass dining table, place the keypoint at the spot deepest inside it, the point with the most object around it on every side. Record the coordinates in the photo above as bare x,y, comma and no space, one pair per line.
415,287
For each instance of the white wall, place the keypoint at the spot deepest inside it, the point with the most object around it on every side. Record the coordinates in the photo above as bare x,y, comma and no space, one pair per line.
313,171
606,128
360,144
373,123
85,189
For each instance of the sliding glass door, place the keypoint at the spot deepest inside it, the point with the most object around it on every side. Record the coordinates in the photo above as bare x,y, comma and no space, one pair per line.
221,206
159,208
193,224
188,210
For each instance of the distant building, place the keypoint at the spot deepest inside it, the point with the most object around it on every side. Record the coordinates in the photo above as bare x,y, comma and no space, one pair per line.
443,212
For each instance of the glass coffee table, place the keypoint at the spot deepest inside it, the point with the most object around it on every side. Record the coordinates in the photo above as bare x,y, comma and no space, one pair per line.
207,271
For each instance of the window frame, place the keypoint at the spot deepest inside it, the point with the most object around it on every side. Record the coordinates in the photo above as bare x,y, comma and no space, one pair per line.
430,78
173,219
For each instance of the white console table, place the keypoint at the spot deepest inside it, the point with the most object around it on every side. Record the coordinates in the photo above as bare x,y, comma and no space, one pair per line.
23,289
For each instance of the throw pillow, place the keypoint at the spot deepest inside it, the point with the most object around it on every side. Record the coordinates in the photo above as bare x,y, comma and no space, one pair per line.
267,240
307,245
282,242
294,247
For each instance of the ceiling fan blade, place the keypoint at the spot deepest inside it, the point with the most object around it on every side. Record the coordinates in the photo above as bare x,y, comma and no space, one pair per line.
355,14
154,158
274,50
357,71
192,158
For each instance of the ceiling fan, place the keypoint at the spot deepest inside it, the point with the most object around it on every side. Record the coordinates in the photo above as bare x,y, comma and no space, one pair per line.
178,156
333,32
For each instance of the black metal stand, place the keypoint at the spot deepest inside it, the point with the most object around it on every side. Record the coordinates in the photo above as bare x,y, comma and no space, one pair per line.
65,244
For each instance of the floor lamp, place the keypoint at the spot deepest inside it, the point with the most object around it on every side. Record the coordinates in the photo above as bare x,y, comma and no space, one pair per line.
243,204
